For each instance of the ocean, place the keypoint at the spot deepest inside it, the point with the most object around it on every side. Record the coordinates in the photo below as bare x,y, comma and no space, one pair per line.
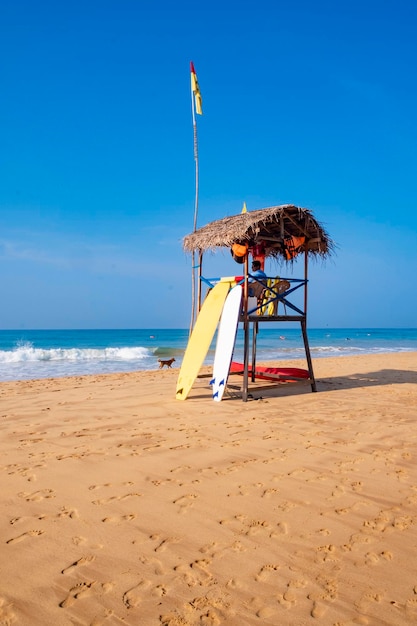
33,354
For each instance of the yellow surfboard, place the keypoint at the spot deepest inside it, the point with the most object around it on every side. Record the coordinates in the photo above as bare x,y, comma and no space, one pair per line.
201,337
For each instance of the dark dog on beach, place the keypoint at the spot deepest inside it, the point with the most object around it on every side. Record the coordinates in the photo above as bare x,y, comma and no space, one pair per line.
167,362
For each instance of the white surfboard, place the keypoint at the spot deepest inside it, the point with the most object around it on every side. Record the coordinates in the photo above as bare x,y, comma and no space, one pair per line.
226,337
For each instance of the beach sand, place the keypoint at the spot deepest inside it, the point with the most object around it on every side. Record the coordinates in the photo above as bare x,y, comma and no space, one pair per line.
122,505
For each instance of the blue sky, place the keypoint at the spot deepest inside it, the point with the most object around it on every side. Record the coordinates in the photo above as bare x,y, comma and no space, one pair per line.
306,103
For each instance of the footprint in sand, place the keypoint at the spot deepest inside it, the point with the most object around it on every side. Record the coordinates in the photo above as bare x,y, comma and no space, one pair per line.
82,561
233,583
162,546
72,513
7,615
153,564
159,590
287,600
257,526
128,483
29,533
133,596
411,605
180,468
326,553
37,496
120,518
367,599
269,492
76,593
81,541
209,548
201,566
282,529
92,487
118,498
184,502
402,523
318,610
265,571
266,613
286,506
196,573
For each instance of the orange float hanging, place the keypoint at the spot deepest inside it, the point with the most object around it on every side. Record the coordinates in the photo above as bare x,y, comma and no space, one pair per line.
239,251
293,246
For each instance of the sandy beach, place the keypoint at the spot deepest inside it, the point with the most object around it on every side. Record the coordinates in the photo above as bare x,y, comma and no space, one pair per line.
122,505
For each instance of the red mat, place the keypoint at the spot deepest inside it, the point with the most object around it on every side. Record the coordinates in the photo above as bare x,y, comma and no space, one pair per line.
271,373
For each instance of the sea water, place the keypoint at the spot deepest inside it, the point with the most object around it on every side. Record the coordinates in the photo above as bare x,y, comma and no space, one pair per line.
32,354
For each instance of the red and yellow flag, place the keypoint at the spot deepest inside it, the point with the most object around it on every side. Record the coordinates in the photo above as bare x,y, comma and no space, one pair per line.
196,91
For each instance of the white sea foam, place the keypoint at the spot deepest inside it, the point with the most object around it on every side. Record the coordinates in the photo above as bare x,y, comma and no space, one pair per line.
26,352
26,362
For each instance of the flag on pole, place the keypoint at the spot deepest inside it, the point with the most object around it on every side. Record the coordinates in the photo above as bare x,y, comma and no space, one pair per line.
244,209
196,91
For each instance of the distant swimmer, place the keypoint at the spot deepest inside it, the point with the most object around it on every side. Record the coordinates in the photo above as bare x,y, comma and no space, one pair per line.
282,337
347,338
151,336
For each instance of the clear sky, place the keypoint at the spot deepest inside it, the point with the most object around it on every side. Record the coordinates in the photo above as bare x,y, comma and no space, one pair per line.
306,103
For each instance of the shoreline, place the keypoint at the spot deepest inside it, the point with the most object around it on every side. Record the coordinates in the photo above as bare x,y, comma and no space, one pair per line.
122,504
294,362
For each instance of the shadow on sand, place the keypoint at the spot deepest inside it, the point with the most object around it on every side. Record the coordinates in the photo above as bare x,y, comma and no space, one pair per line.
370,379
258,389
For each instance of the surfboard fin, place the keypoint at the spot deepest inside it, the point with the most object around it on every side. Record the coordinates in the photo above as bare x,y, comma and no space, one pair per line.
215,394
213,380
221,383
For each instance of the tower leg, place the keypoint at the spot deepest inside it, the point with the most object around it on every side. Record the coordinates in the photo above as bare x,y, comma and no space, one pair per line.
254,336
308,355
245,362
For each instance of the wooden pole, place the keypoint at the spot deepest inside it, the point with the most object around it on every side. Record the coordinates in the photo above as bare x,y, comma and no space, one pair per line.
200,269
305,276
193,266
246,335
254,337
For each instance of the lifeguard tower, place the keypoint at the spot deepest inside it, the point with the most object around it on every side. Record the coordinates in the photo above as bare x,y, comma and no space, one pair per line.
283,233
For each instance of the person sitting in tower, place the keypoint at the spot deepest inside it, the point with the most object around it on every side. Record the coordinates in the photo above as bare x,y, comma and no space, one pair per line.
256,279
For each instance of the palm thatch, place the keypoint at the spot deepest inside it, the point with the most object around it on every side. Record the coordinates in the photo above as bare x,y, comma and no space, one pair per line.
271,225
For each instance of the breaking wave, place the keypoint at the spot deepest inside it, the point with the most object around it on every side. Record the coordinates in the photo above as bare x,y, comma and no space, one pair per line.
27,362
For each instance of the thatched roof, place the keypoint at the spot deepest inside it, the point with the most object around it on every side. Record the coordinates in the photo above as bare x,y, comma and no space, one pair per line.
271,225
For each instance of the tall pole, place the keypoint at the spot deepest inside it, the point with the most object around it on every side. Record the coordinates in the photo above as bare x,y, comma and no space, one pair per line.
196,107
193,267
196,163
